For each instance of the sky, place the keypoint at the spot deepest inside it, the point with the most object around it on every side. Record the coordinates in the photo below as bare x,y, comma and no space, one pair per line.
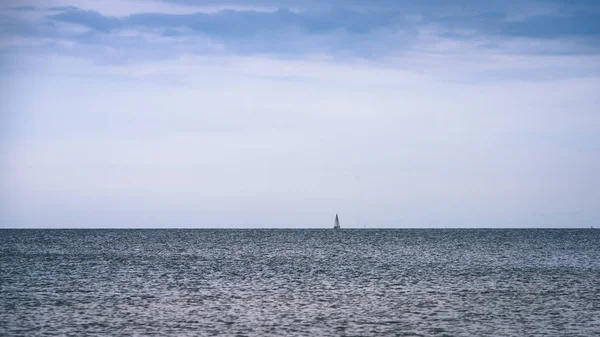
263,113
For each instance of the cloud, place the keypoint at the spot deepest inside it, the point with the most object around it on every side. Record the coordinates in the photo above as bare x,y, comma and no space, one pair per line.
483,47
91,19
352,30
582,25
234,23
22,8
225,147
260,32
205,112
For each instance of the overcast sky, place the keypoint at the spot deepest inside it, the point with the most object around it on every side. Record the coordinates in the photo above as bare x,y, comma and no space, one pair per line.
260,113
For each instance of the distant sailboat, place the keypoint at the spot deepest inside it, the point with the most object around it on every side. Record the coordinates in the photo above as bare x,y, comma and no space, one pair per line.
336,223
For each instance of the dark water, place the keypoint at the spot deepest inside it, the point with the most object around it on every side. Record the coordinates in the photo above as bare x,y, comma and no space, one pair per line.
300,282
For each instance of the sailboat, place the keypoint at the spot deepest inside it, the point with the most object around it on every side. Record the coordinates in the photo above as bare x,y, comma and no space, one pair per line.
336,223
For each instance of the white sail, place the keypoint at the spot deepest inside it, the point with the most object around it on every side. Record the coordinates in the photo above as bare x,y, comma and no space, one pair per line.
336,224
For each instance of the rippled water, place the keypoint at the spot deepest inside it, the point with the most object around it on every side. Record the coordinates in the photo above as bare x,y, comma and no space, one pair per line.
300,282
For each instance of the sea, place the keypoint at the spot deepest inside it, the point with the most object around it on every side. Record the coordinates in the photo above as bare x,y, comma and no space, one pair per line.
300,282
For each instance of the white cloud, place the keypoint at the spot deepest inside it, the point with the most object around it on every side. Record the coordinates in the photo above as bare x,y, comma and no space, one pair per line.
245,141
127,7
134,128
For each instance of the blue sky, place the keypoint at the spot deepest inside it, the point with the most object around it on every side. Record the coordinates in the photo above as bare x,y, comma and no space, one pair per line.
150,113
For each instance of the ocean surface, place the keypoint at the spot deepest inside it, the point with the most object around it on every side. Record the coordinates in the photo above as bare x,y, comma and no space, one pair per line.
352,282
